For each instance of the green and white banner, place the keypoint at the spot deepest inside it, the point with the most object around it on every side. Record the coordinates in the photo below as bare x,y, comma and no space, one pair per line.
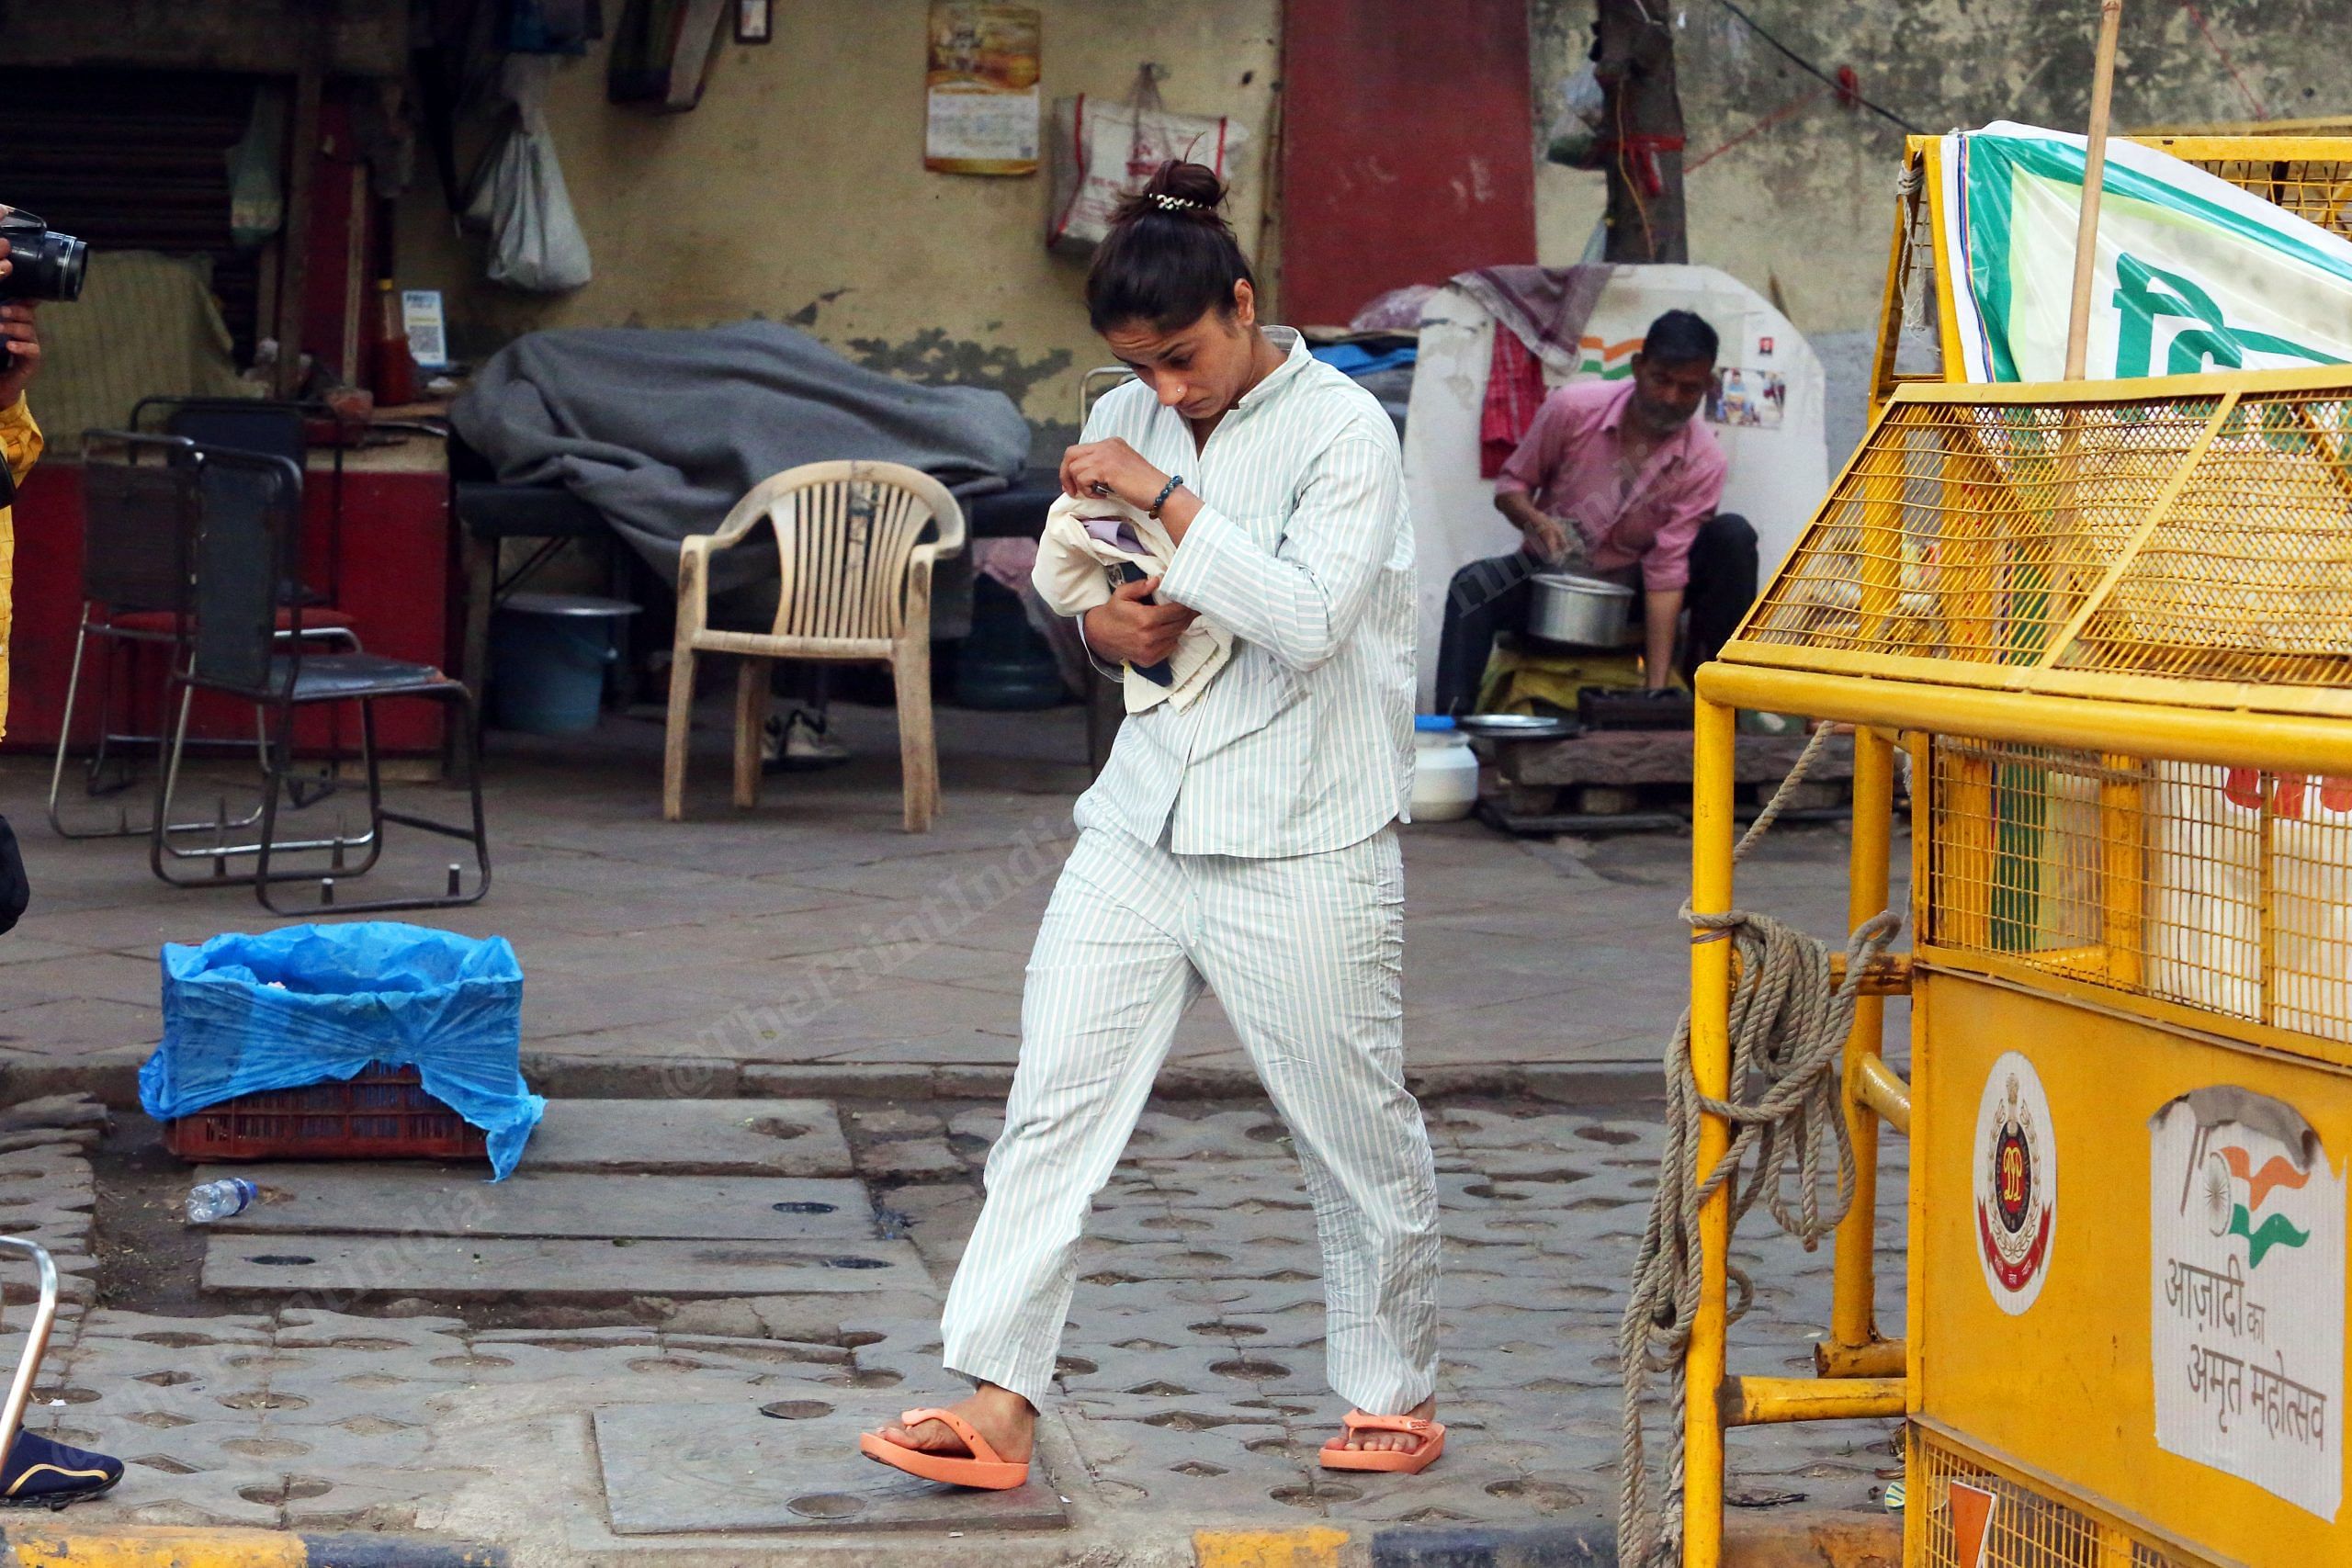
2192,273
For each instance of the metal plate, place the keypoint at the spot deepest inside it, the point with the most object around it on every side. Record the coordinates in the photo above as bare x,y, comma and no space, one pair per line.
1516,727
531,603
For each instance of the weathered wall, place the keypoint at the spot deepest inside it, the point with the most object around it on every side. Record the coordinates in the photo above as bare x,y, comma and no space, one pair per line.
795,191
1804,204
365,38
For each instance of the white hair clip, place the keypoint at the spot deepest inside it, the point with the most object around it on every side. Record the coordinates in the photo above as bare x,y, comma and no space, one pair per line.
1173,203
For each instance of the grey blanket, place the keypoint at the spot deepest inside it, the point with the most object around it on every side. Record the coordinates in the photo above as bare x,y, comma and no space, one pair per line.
663,432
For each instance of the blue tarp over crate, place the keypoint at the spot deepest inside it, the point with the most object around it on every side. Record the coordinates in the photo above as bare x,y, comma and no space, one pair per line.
308,1004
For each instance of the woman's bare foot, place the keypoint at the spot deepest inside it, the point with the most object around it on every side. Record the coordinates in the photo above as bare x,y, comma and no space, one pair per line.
1388,1442
1008,1421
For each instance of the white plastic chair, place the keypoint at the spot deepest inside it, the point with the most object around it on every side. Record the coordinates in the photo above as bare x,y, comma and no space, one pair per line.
855,588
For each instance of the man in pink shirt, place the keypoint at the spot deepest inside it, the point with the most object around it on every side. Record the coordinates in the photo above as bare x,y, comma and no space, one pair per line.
1616,480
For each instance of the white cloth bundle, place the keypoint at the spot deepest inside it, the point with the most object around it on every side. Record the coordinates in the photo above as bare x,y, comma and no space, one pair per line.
1077,568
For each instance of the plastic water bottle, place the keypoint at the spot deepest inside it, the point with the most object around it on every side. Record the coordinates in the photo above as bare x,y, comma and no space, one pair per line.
218,1200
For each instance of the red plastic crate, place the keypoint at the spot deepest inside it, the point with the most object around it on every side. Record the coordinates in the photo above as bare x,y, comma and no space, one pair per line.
383,1113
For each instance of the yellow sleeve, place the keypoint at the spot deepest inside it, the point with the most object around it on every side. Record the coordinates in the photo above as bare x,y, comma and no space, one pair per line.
20,439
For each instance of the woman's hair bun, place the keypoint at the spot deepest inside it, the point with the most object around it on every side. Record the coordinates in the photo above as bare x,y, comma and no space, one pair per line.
1170,256
1177,190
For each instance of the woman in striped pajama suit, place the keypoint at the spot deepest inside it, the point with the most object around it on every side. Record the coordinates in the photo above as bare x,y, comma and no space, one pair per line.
1244,843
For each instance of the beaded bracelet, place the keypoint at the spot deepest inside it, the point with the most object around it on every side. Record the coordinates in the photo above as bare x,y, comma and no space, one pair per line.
1165,492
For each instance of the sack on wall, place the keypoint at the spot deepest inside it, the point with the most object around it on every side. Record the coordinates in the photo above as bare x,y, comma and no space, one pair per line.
519,195
1104,151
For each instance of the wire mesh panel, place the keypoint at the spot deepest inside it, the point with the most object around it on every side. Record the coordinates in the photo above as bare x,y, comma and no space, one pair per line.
2248,575
1974,532
2183,547
2318,190
2227,889
1955,1496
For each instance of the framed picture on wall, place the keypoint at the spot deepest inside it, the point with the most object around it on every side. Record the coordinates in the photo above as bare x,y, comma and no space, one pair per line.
754,20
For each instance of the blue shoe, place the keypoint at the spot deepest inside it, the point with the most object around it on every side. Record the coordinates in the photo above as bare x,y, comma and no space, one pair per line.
45,1475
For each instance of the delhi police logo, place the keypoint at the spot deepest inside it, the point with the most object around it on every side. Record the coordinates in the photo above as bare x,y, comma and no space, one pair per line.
2016,1182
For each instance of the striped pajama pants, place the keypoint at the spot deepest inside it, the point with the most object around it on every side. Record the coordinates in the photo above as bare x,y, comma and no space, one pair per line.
1305,955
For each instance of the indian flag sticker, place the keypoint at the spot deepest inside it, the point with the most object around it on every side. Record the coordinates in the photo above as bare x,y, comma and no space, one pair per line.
2015,1181
2245,1216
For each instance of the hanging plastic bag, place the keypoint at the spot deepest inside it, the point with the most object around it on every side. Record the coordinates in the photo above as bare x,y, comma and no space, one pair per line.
519,195
256,201
1105,152
1575,129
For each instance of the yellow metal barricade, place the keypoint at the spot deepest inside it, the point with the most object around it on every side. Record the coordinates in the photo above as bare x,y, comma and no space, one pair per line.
2109,625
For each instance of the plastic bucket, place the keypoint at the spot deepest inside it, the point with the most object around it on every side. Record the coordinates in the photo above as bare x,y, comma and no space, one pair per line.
549,656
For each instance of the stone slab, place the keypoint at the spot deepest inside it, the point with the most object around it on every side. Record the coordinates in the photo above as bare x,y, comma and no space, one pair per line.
695,1469
747,1137
418,1200
499,1266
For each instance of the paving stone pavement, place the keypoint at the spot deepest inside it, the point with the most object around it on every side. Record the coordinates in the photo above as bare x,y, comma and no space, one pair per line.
1190,1388
812,949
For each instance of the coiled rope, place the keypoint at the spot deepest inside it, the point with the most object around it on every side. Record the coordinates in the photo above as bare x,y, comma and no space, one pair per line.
1789,1024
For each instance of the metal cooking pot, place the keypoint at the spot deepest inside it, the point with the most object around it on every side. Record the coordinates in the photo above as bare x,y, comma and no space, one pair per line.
1581,610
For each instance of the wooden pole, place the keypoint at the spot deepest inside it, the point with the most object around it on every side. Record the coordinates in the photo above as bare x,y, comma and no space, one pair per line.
2078,316
1633,58
301,177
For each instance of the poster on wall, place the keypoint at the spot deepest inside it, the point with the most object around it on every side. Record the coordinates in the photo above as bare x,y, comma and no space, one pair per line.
981,100
2246,1296
1752,398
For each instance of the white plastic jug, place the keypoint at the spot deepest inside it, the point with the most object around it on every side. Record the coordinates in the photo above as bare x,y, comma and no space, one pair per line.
1446,771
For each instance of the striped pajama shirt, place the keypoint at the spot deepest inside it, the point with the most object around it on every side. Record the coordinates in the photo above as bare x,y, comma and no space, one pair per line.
1244,845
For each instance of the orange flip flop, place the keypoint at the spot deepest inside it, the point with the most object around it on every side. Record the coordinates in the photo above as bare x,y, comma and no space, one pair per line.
983,1467
1337,1455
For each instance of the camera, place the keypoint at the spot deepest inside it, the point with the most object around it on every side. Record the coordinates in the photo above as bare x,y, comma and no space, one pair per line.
48,265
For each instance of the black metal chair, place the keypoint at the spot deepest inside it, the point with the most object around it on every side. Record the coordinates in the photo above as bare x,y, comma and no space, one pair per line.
235,637
135,493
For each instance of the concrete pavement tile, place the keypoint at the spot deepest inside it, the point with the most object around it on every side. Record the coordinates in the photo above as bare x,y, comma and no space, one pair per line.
587,1003
1093,1370
956,884
168,1332
372,1499
22,949
775,1137
837,1018
1164,1135
1201,1412
1214,1474
104,977
688,1467
500,1266
938,1217
309,1199
917,1159
48,1028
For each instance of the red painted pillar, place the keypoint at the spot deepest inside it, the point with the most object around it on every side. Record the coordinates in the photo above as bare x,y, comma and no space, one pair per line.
1409,147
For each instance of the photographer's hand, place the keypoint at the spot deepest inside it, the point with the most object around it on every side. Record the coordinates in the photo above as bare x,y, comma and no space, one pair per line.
20,339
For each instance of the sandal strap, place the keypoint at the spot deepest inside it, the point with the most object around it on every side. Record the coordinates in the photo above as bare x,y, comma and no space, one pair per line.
1411,1426
979,1448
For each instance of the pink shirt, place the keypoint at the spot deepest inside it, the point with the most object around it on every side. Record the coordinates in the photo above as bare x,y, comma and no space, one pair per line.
1571,465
